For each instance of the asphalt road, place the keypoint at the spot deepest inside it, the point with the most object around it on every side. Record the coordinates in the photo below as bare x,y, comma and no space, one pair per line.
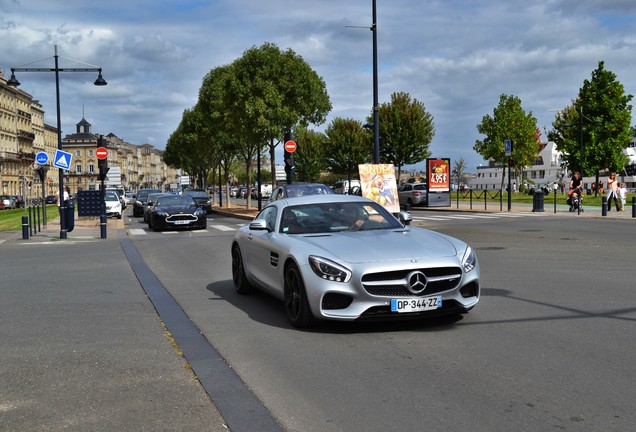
549,347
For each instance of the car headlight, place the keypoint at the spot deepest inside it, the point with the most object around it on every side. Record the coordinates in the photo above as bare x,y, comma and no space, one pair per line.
200,212
328,270
469,260
161,214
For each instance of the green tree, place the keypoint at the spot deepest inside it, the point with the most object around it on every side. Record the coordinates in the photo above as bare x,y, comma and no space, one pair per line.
273,91
189,147
346,140
508,122
406,131
309,157
599,122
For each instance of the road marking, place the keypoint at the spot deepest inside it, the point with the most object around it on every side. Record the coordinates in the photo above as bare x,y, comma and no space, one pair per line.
222,228
137,231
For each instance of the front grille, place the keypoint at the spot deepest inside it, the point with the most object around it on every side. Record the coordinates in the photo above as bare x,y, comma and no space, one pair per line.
395,283
181,217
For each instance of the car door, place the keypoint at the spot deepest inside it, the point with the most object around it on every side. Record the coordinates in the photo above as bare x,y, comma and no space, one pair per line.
263,251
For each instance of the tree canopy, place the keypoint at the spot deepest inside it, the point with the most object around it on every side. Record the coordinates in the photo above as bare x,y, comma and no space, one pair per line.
406,131
599,122
509,122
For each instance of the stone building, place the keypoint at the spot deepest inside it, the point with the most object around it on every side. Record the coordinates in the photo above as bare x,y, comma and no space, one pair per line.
24,133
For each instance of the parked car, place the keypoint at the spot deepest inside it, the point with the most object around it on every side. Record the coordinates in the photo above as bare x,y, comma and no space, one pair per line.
51,199
8,202
342,186
347,258
140,202
113,204
300,189
201,197
176,211
150,202
121,193
412,194
234,192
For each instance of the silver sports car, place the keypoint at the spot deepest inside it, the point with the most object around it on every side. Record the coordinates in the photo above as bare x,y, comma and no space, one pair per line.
346,257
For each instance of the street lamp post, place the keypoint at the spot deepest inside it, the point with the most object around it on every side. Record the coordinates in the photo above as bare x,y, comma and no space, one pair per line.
98,82
376,117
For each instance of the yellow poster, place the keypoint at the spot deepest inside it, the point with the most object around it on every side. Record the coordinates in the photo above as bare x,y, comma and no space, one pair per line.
379,184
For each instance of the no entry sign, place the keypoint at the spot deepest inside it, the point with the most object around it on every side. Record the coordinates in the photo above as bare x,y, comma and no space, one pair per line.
290,146
101,153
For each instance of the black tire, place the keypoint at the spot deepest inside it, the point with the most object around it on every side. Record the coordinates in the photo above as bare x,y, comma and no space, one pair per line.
241,284
295,297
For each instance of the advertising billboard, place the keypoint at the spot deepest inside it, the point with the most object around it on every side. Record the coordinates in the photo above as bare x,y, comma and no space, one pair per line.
378,183
439,182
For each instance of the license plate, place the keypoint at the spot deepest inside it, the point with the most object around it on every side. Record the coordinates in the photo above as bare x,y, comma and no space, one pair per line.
416,304
181,222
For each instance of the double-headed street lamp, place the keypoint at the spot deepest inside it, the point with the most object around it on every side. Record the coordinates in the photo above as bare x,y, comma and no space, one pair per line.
98,82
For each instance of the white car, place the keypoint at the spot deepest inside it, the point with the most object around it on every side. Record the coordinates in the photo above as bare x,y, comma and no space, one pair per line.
113,204
343,257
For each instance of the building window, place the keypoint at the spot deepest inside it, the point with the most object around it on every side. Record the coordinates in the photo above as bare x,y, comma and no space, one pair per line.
90,153
91,168
78,168
78,153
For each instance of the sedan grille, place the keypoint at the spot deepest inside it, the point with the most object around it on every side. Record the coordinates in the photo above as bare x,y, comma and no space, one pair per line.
182,217
398,283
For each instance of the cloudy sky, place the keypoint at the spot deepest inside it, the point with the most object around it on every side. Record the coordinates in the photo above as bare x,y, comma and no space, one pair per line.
455,56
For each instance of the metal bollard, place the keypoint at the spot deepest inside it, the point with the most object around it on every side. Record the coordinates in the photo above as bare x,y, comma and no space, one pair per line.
604,208
25,228
102,226
634,206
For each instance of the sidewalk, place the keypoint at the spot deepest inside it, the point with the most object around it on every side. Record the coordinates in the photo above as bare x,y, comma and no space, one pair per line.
83,347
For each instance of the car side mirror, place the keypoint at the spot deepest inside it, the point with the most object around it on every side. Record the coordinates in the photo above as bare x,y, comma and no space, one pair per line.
258,225
405,218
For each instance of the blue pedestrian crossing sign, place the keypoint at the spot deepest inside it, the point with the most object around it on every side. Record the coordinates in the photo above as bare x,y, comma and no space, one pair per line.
42,158
62,159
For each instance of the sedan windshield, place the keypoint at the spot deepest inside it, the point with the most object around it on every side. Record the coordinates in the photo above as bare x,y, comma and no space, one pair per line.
336,217
175,200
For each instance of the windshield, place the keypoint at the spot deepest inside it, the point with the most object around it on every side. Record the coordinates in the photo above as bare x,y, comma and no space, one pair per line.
336,217
110,196
310,189
175,200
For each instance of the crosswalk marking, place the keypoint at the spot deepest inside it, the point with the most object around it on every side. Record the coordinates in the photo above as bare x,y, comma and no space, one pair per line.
142,231
472,216
222,228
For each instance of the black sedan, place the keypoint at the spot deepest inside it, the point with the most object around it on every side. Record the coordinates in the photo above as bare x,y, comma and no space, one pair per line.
201,197
176,211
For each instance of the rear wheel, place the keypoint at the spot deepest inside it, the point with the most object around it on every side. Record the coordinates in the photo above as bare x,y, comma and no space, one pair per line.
241,284
296,303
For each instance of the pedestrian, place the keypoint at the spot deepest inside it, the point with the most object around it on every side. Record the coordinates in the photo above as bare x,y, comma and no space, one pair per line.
66,195
612,193
622,194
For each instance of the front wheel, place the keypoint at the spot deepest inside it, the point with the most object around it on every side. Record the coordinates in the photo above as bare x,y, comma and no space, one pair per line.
241,284
296,303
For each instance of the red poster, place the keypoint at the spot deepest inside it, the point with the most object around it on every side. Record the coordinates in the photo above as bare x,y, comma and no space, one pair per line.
438,174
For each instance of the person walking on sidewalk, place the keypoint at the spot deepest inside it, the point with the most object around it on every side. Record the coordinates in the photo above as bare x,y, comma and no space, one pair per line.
612,193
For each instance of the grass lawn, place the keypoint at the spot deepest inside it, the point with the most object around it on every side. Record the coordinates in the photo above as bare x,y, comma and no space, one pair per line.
11,220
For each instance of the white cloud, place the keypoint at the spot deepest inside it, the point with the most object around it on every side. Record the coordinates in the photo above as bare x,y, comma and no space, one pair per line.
456,56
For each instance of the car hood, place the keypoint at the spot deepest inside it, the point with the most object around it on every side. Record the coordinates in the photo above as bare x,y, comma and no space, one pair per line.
370,246
176,209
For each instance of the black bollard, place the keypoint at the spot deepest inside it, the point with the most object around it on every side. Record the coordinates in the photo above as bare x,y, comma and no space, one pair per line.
102,226
634,206
604,208
25,228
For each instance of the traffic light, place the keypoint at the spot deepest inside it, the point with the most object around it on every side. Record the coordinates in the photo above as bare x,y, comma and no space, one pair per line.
102,164
289,160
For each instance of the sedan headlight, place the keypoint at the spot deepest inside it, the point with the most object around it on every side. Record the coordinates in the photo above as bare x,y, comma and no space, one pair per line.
469,260
328,270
